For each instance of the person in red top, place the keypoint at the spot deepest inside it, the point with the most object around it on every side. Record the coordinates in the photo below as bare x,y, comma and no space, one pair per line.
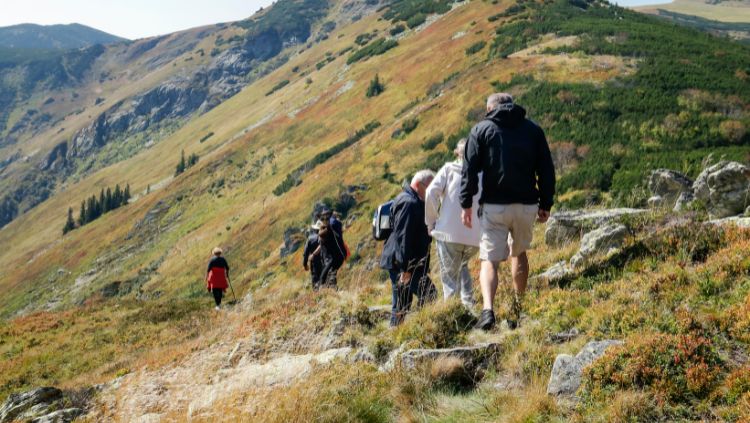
217,276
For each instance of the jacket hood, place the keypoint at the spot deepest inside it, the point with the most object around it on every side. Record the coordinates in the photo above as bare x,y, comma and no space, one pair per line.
508,118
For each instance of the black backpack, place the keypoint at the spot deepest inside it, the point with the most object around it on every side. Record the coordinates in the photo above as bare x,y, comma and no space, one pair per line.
382,222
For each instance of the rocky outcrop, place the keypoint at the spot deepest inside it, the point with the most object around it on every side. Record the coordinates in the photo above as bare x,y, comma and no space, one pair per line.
740,221
567,226
293,239
724,189
39,405
599,242
473,357
568,370
556,272
667,185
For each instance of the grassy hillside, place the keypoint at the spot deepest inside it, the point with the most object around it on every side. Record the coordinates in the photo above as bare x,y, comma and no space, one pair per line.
723,11
125,291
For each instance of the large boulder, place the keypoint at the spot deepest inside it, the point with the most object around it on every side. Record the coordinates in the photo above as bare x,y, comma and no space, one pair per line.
30,404
739,221
668,185
567,226
474,358
724,188
600,242
568,370
556,272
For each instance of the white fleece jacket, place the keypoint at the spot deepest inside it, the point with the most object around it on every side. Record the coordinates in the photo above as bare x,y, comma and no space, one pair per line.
442,211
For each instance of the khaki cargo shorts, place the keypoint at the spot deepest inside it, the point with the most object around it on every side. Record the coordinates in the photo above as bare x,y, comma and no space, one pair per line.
501,220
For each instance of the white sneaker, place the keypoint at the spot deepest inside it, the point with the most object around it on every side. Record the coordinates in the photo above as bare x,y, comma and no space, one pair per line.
217,308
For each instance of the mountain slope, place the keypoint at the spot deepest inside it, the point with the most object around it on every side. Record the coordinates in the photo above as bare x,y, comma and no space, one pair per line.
47,37
124,292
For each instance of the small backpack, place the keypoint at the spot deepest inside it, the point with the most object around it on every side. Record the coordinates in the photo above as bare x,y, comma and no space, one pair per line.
382,221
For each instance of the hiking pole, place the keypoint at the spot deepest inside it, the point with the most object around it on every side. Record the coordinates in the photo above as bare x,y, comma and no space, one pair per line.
230,285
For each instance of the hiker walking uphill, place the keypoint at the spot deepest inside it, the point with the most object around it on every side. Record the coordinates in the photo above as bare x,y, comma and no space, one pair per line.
456,245
406,254
518,184
332,253
217,276
311,262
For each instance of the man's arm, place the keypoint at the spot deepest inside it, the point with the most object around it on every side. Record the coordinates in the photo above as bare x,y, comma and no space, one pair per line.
306,253
545,173
470,171
433,197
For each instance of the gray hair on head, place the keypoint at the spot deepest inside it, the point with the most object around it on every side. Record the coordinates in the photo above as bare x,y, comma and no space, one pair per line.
424,177
502,101
460,148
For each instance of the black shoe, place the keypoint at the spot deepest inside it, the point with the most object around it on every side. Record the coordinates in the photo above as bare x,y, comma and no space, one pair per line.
486,320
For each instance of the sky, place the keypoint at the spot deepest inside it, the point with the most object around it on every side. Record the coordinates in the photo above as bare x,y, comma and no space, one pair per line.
128,18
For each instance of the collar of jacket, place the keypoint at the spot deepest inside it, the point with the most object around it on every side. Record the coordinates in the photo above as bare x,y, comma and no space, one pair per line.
509,118
410,191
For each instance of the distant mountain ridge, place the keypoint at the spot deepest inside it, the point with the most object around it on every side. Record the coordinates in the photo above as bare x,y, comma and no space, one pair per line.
33,36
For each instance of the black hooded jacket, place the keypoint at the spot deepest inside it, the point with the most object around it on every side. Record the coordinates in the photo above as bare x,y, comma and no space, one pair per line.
513,153
409,244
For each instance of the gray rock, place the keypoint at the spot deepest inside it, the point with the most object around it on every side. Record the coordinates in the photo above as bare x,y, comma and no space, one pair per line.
380,312
655,202
724,188
293,239
740,221
568,370
668,185
40,399
60,416
474,356
683,202
563,337
567,226
556,272
602,241
363,355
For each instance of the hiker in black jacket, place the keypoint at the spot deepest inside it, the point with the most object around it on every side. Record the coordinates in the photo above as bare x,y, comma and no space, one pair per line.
406,254
332,252
311,262
518,184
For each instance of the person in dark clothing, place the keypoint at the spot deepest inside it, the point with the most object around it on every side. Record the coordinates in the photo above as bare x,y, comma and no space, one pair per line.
406,254
217,276
311,262
327,215
518,185
332,252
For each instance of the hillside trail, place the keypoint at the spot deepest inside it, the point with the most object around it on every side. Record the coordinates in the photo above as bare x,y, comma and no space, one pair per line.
229,368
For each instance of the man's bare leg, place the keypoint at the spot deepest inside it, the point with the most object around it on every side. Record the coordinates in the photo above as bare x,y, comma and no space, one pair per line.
488,283
520,269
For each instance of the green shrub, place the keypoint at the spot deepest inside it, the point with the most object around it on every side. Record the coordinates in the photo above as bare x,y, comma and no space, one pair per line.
677,368
375,88
441,325
475,48
375,48
277,87
433,141
416,20
397,30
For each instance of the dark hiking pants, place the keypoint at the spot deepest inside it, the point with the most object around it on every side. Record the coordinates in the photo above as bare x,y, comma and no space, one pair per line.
329,272
218,295
402,294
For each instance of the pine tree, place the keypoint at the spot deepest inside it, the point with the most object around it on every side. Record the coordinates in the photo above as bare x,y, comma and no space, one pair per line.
181,165
108,203
375,88
126,195
117,196
102,204
82,214
70,224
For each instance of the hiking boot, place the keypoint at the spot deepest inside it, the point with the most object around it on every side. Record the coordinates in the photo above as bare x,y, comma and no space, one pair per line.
217,308
486,320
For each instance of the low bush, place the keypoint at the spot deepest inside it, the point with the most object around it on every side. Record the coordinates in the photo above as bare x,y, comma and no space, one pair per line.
438,326
375,48
677,368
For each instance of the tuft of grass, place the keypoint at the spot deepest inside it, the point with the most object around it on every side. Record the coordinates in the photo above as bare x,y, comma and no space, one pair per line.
440,325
